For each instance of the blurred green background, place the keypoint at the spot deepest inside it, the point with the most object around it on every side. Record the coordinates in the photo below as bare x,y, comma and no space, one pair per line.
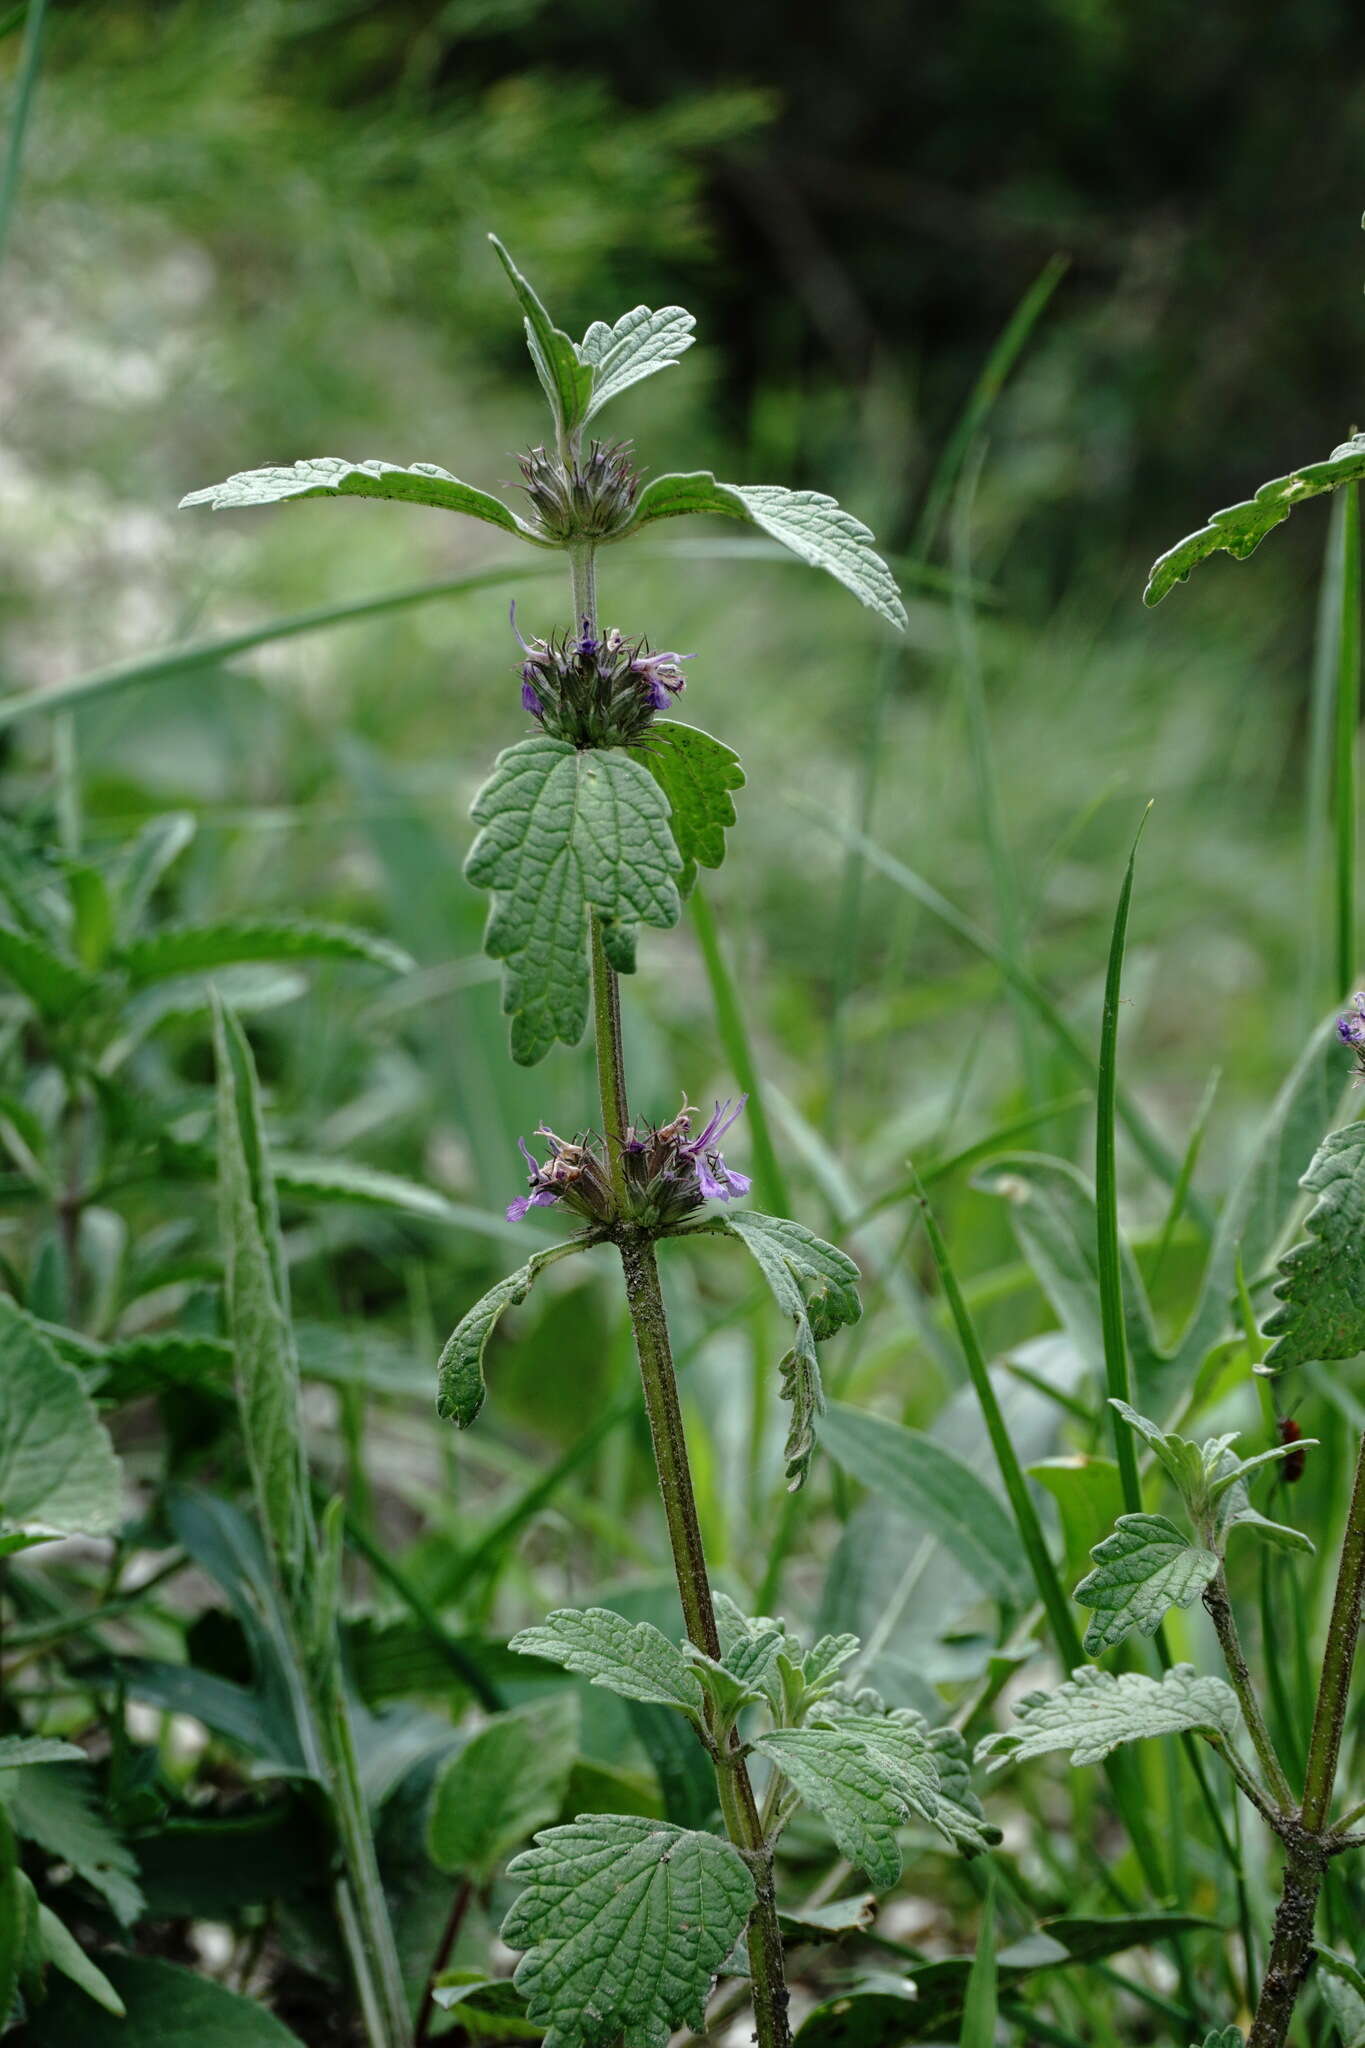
255,230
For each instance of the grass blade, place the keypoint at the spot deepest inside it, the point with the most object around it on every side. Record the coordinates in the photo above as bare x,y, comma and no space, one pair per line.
1347,721
1117,1368
772,1190
30,58
980,2011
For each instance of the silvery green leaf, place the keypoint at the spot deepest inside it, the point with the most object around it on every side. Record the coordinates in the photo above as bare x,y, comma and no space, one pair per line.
460,1387
333,476
509,1779
1321,1288
861,1787
1146,1567
58,1472
961,1815
817,1287
1236,1512
565,833
728,1693
16,1750
637,345
1097,1710
1241,528
54,1805
256,1295
696,773
824,1659
625,1923
808,523
565,378
1188,1464
634,1659
194,949
1343,1991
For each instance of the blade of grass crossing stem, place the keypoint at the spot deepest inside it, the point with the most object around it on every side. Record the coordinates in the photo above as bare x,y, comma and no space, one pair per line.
1117,1372
980,2010
972,692
1319,943
1180,1192
1056,1606
849,928
734,1038
1347,722
984,393
1144,1138
30,59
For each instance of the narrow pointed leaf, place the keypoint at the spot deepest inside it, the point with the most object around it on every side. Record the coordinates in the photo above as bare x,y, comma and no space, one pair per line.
1145,1568
333,476
195,949
460,1387
1095,1711
564,833
1239,529
811,525
17,1750
166,2007
634,1659
624,1922
637,345
65,1954
1321,1288
696,773
565,378
816,1285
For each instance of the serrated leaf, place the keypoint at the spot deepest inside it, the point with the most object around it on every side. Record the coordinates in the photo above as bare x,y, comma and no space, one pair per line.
194,949
508,1780
638,344
1097,1710
58,1471
961,1816
1343,1991
565,833
17,1750
460,1387
634,1659
1240,529
812,526
146,860
565,378
53,984
816,1285
1186,1463
1146,1567
256,1297
859,1784
939,1490
1322,1285
54,1805
333,476
625,1922
696,774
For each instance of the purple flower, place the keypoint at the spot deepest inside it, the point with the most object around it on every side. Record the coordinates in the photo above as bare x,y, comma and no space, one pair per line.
717,1181
596,690
1351,1027
659,674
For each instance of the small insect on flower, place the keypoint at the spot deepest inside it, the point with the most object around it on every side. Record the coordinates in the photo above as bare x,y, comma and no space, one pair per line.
1351,1031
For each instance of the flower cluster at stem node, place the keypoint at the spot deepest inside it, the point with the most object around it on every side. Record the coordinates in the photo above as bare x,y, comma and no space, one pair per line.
597,690
591,497
1351,1031
668,1172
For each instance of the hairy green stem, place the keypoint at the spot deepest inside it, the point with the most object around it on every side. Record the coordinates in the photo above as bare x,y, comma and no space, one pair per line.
659,1382
1219,1605
1309,1843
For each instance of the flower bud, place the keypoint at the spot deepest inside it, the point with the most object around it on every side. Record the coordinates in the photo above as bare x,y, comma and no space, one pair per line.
592,497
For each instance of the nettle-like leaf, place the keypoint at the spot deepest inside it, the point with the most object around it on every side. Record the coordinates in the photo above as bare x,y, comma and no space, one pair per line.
634,1659
1240,529
1145,1568
1211,1480
817,1287
811,525
1097,1710
333,476
460,1386
53,984
960,1813
58,1472
696,773
864,1780
508,1780
564,834
1322,1285
196,949
54,1805
566,377
637,345
625,1923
